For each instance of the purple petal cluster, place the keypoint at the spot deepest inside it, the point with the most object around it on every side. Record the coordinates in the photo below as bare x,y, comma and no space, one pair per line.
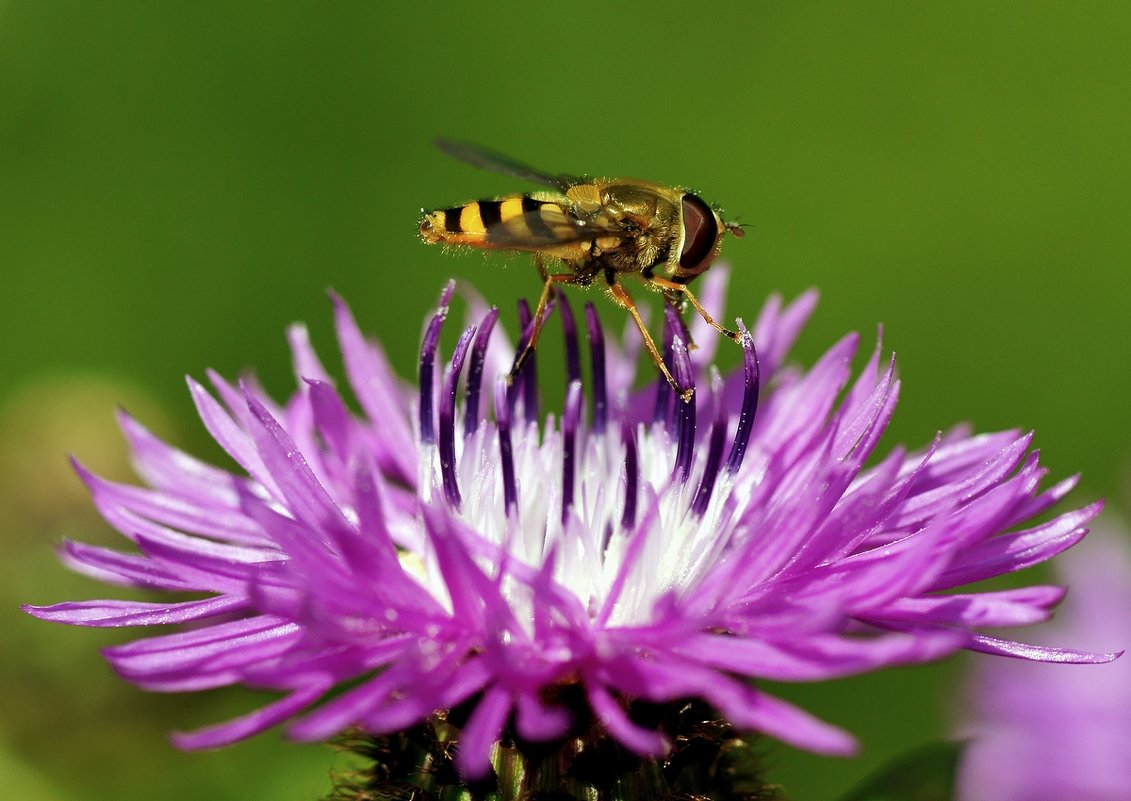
454,545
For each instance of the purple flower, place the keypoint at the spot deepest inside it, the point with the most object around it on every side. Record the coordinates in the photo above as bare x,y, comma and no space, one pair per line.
1060,733
430,555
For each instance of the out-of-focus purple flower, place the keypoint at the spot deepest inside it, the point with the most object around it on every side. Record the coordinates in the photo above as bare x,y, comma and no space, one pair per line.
428,554
1060,734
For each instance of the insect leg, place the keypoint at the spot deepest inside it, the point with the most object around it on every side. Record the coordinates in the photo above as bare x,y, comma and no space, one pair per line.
540,263
622,299
679,303
682,289
539,317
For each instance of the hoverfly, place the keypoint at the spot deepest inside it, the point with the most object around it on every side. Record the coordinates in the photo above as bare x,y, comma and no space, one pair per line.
600,229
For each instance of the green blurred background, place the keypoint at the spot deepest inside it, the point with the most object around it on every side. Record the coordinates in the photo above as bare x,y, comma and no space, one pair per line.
179,183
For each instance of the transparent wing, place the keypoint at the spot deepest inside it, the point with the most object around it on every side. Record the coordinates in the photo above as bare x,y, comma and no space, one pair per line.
545,227
478,156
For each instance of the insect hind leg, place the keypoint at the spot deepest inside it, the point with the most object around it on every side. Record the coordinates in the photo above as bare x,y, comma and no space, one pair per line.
549,282
540,263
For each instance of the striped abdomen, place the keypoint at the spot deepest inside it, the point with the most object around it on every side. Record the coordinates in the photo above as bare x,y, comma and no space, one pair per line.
519,222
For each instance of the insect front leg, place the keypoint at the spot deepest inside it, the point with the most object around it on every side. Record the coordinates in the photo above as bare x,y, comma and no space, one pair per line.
679,302
539,317
681,289
625,301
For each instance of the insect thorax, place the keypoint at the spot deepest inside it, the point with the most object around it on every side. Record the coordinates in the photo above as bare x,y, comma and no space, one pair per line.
648,219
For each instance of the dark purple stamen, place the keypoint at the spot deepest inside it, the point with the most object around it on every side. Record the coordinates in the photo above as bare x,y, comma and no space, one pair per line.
684,412
608,537
448,419
529,377
506,457
677,330
675,317
752,378
515,381
714,449
631,475
475,371
569,330
663,410
597,361
571,415
427,364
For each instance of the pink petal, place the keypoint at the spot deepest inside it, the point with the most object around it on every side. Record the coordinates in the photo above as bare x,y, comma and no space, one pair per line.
250,724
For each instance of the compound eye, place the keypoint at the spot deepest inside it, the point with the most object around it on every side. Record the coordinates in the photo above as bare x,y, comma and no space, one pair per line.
700,232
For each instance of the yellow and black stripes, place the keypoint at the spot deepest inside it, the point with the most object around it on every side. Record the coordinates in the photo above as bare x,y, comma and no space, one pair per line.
519,221
532,216
451,220
490,215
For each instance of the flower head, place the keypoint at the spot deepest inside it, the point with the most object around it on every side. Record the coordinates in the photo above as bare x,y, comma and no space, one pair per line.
453,547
